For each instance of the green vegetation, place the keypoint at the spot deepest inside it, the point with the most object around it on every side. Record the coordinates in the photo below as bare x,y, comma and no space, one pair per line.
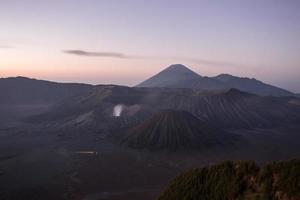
237,180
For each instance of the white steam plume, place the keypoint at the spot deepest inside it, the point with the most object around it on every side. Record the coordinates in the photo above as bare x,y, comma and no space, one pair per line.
118,110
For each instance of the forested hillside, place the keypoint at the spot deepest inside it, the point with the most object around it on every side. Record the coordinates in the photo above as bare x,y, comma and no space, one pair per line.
237,180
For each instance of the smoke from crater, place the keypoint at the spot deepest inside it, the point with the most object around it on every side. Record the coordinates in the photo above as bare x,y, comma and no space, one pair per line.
118,110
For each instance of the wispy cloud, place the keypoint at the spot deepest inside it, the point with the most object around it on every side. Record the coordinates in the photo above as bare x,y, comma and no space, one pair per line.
125,56
99,54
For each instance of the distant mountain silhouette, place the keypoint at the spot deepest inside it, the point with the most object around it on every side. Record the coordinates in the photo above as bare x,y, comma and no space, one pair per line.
170,77
179,76
251,85
22,90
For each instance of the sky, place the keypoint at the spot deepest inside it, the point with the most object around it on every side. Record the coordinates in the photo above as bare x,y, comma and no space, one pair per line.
126,41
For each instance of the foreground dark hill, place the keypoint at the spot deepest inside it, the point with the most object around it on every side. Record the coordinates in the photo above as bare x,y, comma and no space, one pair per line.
179,76
237,180
169,129
22,90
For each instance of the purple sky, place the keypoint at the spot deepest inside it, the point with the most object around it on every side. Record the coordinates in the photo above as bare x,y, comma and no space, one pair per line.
126,41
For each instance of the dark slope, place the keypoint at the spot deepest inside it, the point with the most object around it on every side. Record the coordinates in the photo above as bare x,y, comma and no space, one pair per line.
228,109
169,129
236,109
21,90
251,85
237,180
179,76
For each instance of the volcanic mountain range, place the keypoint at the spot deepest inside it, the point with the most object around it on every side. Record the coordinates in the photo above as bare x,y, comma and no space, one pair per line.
179,76
174,109
80,141
21,90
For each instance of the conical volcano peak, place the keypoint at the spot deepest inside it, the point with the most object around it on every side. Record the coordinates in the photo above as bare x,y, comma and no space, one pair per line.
179,68
173,130
172,76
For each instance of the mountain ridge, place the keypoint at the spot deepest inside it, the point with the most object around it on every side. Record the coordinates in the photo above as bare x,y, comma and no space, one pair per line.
170,78
23,90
